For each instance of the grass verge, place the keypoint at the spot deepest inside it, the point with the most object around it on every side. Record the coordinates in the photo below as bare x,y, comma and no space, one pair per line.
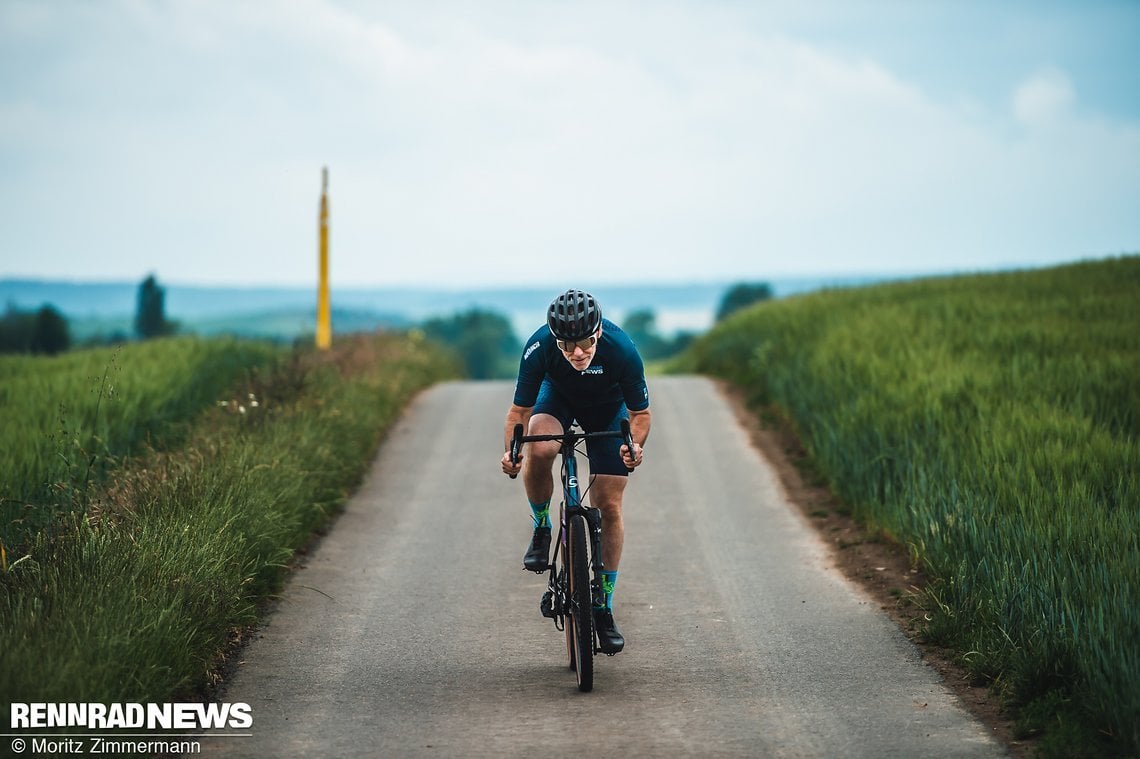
134,599
990,423
69,419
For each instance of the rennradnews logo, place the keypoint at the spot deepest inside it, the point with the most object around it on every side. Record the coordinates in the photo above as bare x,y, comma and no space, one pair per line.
33,716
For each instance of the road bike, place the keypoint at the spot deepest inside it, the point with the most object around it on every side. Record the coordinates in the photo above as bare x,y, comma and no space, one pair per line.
576,584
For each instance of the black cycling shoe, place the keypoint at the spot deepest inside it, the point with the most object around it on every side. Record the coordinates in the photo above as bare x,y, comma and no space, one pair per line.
537,556
609,637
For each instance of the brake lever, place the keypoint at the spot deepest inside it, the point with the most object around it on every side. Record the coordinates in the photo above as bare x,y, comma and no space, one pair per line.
628,436
516,446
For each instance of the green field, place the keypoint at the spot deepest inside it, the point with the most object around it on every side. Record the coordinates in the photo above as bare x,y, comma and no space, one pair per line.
156,562
992,424
69,418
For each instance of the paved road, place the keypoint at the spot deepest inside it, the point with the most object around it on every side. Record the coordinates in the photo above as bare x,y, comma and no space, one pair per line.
414,631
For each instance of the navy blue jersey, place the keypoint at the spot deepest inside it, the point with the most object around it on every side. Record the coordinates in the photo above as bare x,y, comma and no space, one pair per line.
616,374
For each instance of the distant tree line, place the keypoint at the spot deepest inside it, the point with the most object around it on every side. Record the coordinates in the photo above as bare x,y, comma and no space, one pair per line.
489,349
484,340
641,326
46,331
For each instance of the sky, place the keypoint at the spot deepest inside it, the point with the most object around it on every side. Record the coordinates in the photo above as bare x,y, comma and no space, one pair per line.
521,143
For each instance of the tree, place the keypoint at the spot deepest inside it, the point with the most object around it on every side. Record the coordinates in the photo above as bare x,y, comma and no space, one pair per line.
742,295
641,326
16,331
484,340
150,319
50,334
42,331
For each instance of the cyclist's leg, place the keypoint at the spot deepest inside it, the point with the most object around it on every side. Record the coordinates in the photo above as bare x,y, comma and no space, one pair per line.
538,477
606,495
609,480
538,466
609,484
551,416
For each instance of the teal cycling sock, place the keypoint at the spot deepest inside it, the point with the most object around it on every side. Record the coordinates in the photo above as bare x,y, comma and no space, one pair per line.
541,513
609,580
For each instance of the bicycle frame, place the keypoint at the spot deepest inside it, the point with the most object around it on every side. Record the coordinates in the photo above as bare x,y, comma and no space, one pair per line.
559,588
571,507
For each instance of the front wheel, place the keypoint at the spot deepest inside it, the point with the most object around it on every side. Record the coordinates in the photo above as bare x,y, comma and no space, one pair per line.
581,606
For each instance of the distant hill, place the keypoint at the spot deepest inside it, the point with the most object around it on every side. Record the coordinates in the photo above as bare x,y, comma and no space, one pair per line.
119,298
104,308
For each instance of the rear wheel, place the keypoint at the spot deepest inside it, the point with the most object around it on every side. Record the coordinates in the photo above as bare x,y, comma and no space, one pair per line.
581,625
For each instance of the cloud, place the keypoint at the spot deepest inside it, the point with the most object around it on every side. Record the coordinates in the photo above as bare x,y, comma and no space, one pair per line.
1044,98
508,142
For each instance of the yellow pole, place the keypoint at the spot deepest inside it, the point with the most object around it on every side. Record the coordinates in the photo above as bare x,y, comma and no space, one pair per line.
324,315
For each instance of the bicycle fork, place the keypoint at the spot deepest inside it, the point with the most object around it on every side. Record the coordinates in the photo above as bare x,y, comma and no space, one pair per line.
594,520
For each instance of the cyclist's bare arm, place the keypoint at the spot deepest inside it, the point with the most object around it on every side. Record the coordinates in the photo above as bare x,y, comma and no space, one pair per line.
639,423
515,415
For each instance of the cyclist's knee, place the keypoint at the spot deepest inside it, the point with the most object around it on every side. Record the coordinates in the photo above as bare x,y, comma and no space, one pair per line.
606,492
607,502
543,453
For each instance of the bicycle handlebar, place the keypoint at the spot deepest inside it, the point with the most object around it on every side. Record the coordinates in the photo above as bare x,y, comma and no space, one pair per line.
568,438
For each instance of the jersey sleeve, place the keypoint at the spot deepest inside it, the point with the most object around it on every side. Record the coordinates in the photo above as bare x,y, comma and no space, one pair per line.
633,386
532,371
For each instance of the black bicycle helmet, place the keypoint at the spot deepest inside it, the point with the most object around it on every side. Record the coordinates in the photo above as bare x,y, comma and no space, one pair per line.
574,315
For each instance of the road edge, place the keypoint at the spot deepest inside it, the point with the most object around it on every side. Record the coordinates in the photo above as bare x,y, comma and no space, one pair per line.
871,561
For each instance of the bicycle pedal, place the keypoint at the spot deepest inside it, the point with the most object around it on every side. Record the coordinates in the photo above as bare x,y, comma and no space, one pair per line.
546,605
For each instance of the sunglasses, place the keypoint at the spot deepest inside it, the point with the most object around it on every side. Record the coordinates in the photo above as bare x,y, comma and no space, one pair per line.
568,346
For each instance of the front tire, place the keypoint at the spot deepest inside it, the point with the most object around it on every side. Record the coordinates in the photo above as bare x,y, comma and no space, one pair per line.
581,606
564,618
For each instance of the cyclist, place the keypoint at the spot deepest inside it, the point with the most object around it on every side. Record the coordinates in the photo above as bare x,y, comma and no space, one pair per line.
580,367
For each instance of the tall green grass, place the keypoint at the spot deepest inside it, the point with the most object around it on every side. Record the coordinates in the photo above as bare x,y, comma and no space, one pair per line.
135,599
68,419
991,422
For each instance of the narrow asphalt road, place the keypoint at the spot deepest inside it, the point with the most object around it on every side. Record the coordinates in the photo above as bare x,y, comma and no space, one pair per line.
412,630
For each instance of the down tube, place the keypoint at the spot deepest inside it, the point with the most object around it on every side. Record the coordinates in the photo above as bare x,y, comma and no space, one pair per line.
572,492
